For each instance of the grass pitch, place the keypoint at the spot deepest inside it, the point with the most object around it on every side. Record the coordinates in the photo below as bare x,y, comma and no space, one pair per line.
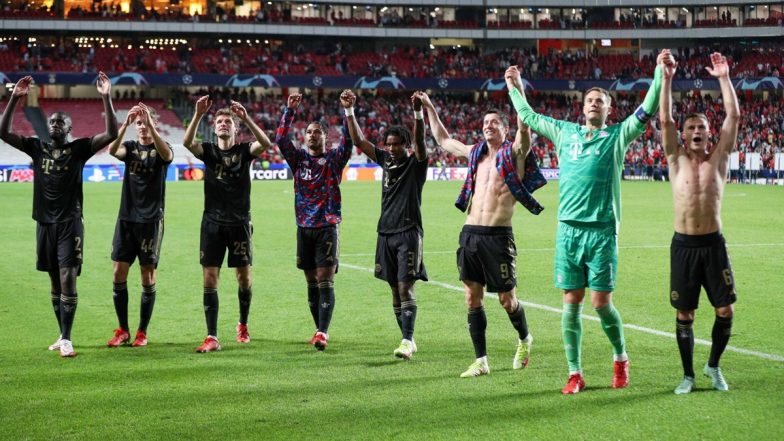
278,387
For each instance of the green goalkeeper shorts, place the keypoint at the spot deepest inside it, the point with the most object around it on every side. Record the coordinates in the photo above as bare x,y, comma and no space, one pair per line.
586,255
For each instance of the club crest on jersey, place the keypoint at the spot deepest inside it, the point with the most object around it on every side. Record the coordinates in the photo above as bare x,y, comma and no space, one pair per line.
56,153
228,160
603,134
322,161
153,153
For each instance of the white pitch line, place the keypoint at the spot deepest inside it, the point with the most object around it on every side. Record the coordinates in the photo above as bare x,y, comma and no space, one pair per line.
630,247
652,331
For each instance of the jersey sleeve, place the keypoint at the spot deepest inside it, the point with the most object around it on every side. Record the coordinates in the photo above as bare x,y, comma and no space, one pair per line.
82,148
170,149
634,125
206,155
283,141
31,146
381,156
544,125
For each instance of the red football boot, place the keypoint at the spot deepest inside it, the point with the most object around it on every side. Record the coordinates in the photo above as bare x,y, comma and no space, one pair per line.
574,385
121,337
620,374
210,344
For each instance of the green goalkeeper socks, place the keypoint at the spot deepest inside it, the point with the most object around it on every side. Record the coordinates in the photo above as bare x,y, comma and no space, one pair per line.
613,327
572,330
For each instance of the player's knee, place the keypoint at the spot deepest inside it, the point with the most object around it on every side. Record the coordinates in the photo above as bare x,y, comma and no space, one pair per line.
119,272
405,291
508,301
244,280
68,279
473,301
725,311
684,314
148,276
211,278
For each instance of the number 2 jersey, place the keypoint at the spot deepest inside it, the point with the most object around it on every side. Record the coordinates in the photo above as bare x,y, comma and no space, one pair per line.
57,181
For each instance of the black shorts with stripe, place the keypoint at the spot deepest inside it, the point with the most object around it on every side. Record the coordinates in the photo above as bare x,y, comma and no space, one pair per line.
399,257
60,245
700,261
488,255
137,239
217,238
318,247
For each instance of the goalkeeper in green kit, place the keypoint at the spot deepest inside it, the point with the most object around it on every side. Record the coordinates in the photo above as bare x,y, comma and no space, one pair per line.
591,162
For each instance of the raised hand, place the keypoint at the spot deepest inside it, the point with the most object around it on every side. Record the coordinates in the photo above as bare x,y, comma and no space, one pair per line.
203,104
294,100
22,86
513,78
104,84
239,110
132,115
347,99
416,101
147,114
667,60
720,67
422,96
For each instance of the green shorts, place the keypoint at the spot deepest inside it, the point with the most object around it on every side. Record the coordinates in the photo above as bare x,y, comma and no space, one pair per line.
586,255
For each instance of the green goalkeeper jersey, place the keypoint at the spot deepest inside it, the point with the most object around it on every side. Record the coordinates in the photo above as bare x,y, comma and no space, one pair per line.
590,169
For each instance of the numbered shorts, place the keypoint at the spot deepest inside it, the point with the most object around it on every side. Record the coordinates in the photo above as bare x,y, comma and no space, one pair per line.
399,257
317,247
60,245
142,239
697,261
217,238
586,255
488,255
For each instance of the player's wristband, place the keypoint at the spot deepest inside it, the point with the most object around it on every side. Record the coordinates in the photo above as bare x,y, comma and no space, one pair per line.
349,111
418,114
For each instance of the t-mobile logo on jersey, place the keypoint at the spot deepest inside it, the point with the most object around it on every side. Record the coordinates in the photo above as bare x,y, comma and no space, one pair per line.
575,150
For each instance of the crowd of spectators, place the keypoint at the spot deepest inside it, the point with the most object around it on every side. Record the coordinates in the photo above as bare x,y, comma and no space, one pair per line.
325,59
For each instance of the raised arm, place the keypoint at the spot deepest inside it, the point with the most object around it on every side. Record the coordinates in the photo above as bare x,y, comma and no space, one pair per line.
282,139
521,146
20,90
347,101
262,142
99,141
442,137
729,129
666,120
202,105
420,150
116,147
544,125
634,125
522,141
161,146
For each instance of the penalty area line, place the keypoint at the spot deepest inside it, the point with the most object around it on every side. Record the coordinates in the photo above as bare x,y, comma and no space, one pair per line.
651,331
